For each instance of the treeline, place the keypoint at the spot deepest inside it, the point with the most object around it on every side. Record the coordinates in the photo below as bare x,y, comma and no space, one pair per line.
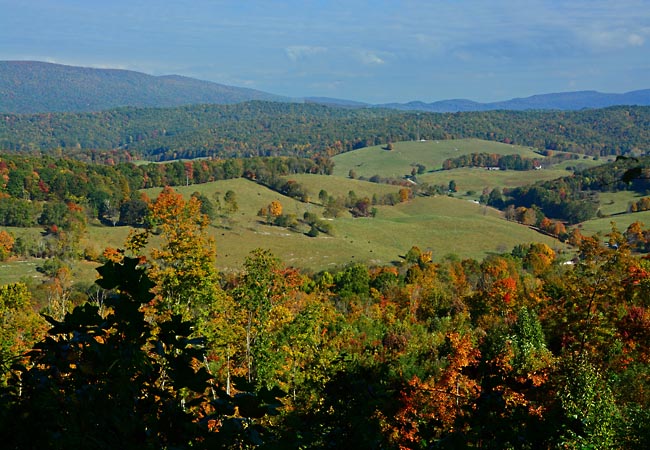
518,350
27,182
272,129
492,160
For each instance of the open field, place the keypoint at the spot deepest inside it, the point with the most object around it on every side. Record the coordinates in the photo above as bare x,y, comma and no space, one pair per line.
399,161
617,202
622,221
441,224
475,179
338,186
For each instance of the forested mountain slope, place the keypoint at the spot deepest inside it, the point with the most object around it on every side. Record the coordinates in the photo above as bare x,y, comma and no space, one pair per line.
31,87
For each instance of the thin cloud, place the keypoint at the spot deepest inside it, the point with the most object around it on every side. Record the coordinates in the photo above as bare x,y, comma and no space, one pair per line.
298,52
371,59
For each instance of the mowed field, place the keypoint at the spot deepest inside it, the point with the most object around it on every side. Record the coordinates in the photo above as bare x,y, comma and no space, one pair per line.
398,162
604,225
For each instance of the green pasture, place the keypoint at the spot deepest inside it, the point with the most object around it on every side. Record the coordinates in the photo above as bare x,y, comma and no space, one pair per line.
398,162
338,186
249,195
617,202
622,221
13,271
476,178
441,224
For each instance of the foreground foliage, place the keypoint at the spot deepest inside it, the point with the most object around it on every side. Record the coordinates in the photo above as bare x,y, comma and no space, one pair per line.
516,351
116,380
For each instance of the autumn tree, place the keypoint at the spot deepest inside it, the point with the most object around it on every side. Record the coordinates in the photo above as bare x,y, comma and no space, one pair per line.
6,245
275,209
405,194
20,325
184,267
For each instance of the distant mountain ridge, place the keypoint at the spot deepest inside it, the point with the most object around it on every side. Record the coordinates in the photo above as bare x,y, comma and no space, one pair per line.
34,87
40,87
567,101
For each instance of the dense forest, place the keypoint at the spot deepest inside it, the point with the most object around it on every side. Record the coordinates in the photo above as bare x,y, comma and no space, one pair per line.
270,129
519,350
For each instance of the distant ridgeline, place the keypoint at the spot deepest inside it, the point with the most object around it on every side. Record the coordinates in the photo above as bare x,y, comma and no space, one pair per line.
273,129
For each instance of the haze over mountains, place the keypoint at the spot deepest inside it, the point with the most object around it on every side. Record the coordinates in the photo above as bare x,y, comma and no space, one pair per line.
36,87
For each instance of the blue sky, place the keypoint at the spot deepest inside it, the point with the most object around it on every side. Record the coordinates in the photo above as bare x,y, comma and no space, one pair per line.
373,51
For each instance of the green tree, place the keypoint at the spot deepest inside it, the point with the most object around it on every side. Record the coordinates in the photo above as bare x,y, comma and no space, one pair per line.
230,200
254,294
20,325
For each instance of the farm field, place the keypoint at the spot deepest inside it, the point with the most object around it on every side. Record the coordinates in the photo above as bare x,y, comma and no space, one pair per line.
399,161
441,224
622,221
339,186
617,202
475,179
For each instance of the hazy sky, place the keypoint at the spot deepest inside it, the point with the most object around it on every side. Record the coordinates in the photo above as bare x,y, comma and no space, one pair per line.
373,51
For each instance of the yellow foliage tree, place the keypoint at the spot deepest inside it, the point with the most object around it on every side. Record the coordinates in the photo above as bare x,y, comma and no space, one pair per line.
6,245
275,208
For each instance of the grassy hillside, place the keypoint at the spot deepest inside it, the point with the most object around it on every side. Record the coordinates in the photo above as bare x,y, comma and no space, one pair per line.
338,186
442,224
476,179
398,162
603,225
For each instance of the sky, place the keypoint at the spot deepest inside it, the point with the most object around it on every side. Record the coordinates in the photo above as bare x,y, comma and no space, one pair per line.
370,51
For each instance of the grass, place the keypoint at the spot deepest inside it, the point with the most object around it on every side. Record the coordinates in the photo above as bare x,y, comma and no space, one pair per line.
13,271
475,179
399,161
441,224
617,202
603,225
338,186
